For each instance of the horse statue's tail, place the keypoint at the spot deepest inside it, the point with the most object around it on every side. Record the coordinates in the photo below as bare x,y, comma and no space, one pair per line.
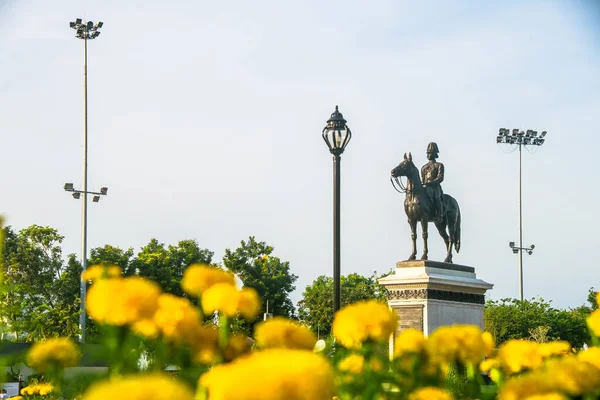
453,218
456,239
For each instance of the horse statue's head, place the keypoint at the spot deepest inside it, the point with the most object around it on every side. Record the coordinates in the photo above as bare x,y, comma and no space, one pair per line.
404,167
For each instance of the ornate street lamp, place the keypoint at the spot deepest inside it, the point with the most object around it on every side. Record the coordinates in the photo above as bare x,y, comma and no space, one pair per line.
337,135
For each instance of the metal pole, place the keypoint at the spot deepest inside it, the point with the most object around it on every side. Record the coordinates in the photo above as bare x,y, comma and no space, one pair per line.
84,204
520,231
336,233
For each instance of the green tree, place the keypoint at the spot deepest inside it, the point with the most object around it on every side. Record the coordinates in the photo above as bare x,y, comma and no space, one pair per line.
165,265
514,319
257,268
41,297
316,306
111,255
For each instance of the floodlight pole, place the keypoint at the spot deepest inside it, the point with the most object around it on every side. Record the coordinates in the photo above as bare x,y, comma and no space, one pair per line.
520,138
85,30
520,231
83,290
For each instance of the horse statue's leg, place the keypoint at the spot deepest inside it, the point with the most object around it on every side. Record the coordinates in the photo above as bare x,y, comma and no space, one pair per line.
424,226
441,227
413,236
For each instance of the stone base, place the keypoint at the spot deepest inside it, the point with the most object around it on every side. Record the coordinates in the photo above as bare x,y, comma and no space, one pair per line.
430,294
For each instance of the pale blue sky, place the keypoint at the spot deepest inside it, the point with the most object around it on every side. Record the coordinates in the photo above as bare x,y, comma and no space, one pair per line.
205,122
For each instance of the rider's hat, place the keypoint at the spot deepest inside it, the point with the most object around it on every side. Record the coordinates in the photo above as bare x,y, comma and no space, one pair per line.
432,148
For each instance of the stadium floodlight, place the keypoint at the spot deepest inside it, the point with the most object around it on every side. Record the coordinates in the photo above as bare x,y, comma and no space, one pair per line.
520,138
76,195
69,187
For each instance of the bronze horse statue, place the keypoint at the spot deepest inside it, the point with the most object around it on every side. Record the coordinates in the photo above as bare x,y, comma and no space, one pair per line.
419,207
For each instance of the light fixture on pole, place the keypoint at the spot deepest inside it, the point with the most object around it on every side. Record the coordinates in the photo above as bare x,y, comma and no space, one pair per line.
336,135
520,138
85,31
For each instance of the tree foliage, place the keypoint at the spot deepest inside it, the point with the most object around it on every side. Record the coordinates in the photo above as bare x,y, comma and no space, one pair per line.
316,306
514,319
41,297
257,268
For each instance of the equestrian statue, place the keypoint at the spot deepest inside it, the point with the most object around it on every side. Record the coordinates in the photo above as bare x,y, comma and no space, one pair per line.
426,202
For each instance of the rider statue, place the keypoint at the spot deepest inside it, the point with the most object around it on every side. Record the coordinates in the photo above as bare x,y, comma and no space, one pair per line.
432,175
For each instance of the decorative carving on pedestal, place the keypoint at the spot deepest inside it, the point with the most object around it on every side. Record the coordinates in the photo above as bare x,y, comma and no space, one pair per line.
435,294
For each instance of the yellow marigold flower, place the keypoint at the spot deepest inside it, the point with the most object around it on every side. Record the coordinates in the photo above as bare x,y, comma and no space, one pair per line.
354,364
53,353
238,345
547,396
198,278
591,355
463,343
558,348
177,318
17,398
122,301
281,332
593,322
361,321
41,389
517,355
272,374
488,364
140,387
221,297
226,298
573,376
489,342
205,346
146,328
101,271
430,393
409,341
523,386
248,303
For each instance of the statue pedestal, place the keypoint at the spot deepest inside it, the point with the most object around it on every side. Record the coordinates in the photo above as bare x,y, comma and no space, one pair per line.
430,294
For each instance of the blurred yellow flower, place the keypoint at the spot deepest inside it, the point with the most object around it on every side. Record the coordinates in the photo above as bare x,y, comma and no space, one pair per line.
221,297
517,355
205,346
591,355
573,376
41,388
463,343
364,320
101,271
248,303
227,299
282,332
122,301
551,349
53,353
197,278
238,345
489,343
593,322
488,364
273,374
354,364
430,393
547,396
409,341
140,387
177,319
567,374
146,328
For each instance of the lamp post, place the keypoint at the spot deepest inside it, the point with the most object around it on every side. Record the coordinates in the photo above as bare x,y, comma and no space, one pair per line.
85,31
520,138
336,135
